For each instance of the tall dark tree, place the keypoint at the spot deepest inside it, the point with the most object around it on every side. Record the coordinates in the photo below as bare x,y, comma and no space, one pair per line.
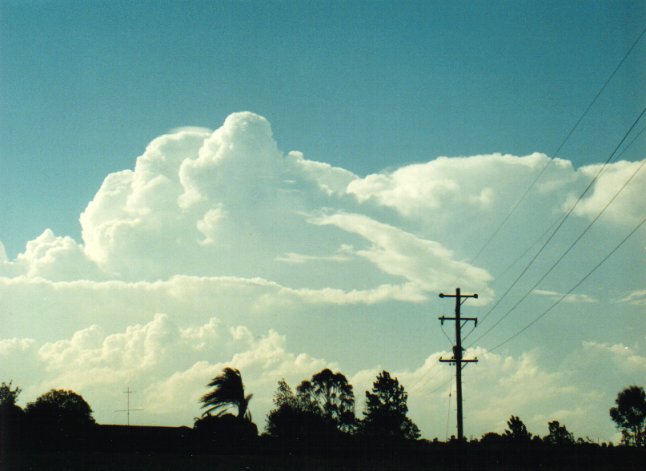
386,410
331,396
629,415
228,391
516,430
558,434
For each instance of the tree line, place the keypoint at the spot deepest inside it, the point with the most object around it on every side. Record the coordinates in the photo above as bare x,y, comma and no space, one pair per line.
321,409
320,412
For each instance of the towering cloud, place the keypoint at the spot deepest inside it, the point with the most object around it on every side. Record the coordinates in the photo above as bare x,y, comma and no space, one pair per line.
219,248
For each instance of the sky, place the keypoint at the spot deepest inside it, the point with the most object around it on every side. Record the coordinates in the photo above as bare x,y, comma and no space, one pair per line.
287,186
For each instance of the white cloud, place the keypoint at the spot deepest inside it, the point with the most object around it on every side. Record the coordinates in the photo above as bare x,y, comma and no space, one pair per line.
90,356
15,345
637,298
409,292
477,181
173,363
629,207
495,388
208,225
282,266
52,257
570,298
203,336
622,356
343,255
169,366
424,262
332,180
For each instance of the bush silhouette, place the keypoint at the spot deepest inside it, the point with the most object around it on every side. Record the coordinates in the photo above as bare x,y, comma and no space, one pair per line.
224,431
59,417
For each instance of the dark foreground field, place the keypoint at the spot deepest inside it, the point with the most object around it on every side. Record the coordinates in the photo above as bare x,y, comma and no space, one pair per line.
416,456
122,448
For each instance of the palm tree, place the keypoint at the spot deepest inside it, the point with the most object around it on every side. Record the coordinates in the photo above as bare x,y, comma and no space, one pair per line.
228,391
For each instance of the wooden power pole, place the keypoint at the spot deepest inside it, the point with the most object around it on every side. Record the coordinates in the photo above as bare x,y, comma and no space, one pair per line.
457,359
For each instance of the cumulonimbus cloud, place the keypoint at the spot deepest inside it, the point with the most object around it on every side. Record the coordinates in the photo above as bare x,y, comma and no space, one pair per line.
214,233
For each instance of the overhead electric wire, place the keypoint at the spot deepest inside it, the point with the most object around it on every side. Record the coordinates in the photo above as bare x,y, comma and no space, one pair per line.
448,412
562,221
555,154
557,302
530,247
446,335
603,210
535,285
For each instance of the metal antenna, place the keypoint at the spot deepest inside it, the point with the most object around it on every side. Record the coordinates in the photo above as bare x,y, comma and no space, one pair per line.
127,410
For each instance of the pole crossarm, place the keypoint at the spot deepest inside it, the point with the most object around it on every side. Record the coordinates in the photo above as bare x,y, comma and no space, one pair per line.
471,319
453,360
458,295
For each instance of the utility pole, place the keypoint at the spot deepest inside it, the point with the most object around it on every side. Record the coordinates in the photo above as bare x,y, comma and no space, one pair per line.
457,359
127,410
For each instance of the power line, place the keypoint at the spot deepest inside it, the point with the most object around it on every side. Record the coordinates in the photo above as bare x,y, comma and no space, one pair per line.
564,254
554,154
562,221
555,222
528,249
448,412
446,335
557,302
418,385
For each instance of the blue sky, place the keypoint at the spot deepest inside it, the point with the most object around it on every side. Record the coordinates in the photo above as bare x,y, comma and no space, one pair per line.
332,255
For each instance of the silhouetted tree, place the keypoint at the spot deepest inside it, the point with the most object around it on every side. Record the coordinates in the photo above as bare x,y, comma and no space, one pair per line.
386,410
11,418
331,396
558,434
294,420
228,391
516,430
59,416
629,415
61,407
224,428
284,396
8,396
